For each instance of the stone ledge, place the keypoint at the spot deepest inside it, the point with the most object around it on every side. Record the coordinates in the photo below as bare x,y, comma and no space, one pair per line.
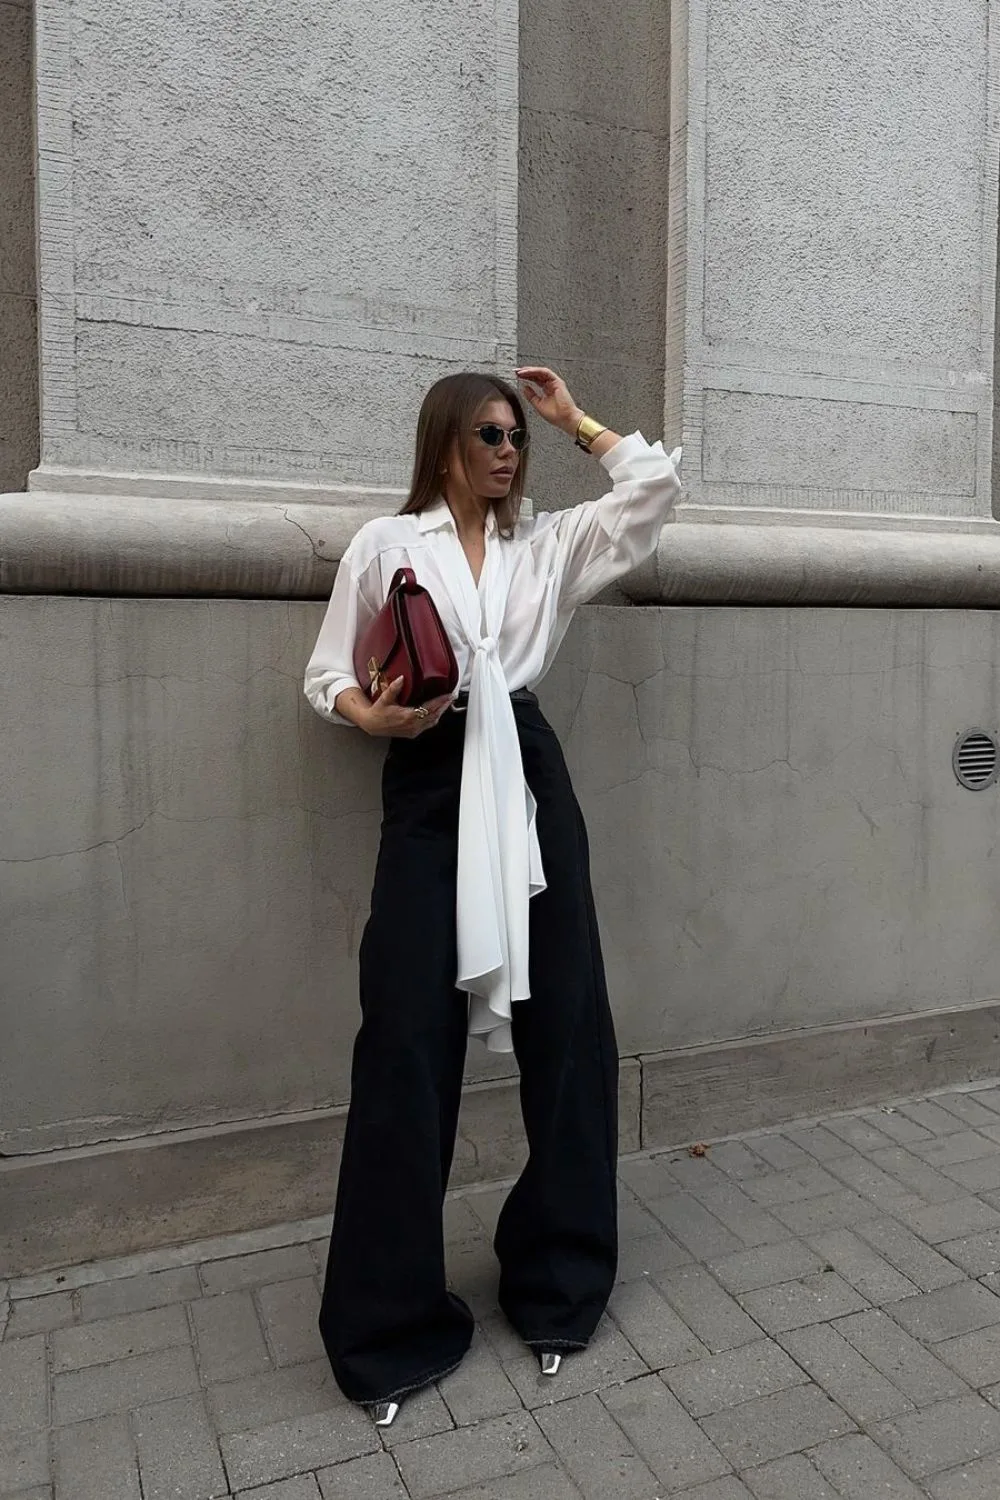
144,545
701,563
261,540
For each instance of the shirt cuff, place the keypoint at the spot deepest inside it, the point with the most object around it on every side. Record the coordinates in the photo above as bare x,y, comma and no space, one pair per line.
623,450
324,700
630,458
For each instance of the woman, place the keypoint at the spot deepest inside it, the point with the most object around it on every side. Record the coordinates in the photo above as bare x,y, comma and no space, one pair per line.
482,919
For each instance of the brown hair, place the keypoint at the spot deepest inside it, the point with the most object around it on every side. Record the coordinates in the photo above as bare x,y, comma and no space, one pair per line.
448,411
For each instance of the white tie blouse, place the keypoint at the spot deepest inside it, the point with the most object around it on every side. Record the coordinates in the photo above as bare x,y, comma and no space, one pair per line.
505,633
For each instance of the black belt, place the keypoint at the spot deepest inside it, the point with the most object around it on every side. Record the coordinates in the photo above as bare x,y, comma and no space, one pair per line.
519,695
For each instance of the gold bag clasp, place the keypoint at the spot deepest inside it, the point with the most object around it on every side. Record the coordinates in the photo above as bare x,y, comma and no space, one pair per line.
379,682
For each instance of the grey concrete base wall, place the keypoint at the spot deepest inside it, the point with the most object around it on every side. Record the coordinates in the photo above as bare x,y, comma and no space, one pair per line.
63,1207
18,311
779,839
779,846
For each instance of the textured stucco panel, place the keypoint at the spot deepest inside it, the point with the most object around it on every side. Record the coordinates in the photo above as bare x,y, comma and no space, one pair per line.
344,147
795,440
323,197
833,211
236,405
846,152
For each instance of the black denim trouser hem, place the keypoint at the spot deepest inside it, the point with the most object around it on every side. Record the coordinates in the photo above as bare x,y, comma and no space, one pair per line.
416,1385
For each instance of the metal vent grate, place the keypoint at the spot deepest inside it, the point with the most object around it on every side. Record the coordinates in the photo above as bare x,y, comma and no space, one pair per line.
976,759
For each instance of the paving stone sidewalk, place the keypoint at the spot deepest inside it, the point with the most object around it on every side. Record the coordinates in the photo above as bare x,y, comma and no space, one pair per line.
801,1314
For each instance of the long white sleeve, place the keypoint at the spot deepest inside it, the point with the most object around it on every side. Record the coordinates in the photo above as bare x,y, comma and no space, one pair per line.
331,667
604,539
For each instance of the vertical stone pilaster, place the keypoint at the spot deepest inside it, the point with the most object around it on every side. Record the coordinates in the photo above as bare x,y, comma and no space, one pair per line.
56,309
833,259
507,106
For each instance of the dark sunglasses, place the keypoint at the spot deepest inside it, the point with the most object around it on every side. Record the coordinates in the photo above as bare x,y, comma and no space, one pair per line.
493,435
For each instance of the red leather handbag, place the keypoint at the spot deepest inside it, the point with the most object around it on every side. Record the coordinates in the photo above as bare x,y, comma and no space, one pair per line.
406,639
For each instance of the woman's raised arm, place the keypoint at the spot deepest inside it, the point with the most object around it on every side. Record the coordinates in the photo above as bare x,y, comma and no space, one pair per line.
601,540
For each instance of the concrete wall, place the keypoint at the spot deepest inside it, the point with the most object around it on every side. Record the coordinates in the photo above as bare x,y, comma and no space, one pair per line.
260,236
782,859
833,196
18,334
185,869
782,841
779,843
267,291
283,226
592,229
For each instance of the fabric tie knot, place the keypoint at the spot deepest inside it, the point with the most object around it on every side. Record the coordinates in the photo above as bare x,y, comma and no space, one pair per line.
487,646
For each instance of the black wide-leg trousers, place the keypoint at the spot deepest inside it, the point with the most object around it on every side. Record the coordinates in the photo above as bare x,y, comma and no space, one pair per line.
388,1321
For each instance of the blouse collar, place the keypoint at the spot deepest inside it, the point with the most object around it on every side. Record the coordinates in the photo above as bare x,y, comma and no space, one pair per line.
437,515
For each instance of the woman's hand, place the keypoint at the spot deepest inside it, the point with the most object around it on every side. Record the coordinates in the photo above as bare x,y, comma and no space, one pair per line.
548,394
387,717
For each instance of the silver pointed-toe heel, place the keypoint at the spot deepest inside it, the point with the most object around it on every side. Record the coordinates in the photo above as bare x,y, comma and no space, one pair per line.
550,1362
384,1413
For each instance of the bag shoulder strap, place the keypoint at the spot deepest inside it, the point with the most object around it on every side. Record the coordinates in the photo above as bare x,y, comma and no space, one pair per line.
403,578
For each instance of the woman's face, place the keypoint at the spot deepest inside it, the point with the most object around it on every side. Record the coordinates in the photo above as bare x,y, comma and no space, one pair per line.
487,471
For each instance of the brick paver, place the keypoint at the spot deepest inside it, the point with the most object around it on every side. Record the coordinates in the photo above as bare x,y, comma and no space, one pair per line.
862,1267
178,1453
675,1447
24,1460
113,1339
735,1376
228,1337
772,1426
23,1399
96,1459
42,1314
128,1294
805,1313
480,1387
791,1478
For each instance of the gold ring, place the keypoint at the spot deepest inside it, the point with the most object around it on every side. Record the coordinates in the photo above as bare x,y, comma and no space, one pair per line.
422,713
